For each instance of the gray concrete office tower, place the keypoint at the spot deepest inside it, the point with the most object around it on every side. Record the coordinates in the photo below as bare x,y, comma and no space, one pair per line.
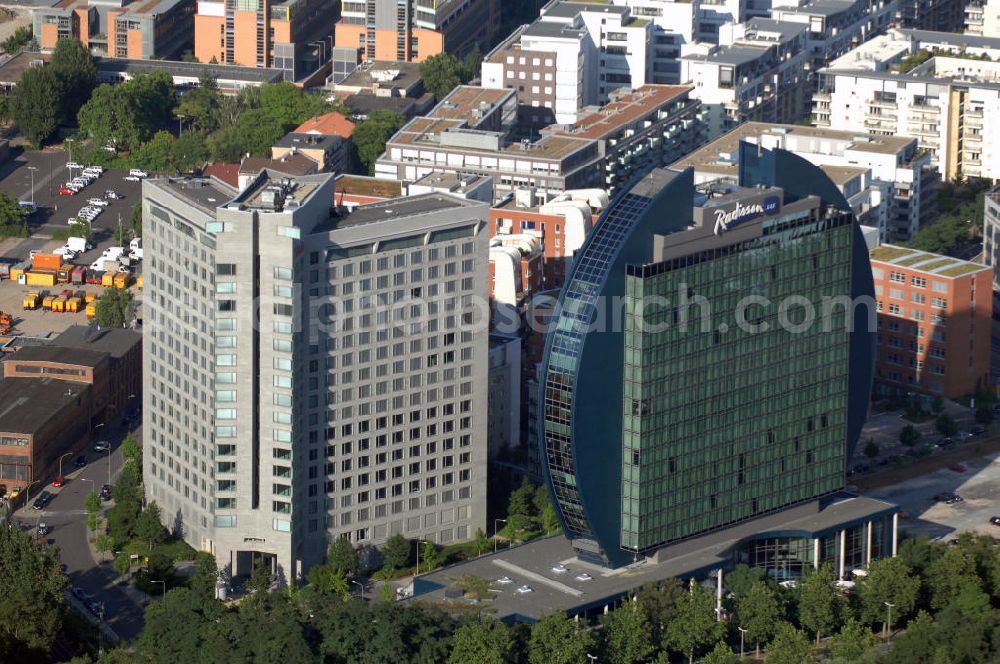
312,374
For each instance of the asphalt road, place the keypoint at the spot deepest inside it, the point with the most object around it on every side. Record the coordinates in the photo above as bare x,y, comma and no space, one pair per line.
66,515
54,210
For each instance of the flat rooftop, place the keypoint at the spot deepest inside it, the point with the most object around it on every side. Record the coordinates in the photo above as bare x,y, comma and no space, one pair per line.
731,55
586,586
719,155
300,190
14,67
400,207
624,111
204,193
112,341
61,355
956,39
363,185
308,141
552,30
470,103
450,180
924,261
384,73
426,131
571,9
27,404
785,29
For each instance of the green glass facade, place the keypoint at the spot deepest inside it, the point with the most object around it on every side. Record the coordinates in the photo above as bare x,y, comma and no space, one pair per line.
721,424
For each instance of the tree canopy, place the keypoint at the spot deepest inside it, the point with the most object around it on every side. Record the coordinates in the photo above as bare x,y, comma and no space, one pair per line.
369,137
113,308
32,609
35,105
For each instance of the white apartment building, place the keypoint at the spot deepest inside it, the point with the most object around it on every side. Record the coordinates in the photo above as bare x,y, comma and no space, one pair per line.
836,26
889,183
290,396
982,18
951,105
760,74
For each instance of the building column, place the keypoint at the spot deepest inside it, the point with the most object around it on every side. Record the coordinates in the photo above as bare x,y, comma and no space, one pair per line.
718,596
816,552
895,533
843,553
868,545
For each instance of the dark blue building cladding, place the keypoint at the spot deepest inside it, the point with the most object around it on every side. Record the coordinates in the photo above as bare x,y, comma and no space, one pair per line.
582,383
800,178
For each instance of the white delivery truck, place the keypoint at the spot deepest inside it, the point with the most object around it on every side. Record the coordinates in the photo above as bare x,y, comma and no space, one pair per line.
79,244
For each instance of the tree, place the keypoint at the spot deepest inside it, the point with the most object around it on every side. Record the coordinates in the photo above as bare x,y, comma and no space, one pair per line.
550,522
200,106
759,612
122,563
104,544
189,151
255,132
113,308
127,114
790,646
441,74
260,580
984,413
92,503
148,527
429,556
742,579
484,641
21,38
909,435
35,105
370,136
136,219
343,556
819,602
694,626
853,640
949,575
661,602
558,639
205,577
328,580
720,654
888,580
155,154
131,451
33,607
397,552
937,405
482,541
916,643
628,636
471,64
945,424
93,523
289,105
871,449
76,72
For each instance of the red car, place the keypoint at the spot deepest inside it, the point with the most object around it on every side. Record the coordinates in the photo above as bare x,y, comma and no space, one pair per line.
66,191
59,481
958,468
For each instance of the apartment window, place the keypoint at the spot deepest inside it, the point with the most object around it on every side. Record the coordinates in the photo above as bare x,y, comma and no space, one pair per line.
896,293
917,298
897,277
940,287
895,309
225,269
918,282
939,303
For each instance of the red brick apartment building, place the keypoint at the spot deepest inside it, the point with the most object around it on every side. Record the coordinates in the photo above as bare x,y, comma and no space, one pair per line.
934,322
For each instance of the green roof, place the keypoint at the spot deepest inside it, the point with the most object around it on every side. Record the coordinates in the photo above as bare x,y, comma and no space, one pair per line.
924,261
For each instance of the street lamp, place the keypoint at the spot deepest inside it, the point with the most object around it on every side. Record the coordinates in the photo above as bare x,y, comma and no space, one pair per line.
32,169
419,542
888,619
164,587
495,529
742,632
27,491
362,586
60,461
591,658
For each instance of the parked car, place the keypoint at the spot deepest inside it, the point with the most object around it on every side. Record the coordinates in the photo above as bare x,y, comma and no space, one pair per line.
81,461
977,430
106,492
946,442
132,178
44,529
995,520
138,172
948,498
73,164
65,191
957,467
102,446
58,481
99,202
42,500
113,195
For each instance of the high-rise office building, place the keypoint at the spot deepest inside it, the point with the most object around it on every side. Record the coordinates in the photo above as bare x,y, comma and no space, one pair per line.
727,388
312,373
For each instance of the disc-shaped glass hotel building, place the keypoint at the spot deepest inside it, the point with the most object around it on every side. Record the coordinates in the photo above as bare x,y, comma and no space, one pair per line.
707,368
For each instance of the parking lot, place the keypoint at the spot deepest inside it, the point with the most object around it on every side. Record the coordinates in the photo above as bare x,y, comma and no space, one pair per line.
53,214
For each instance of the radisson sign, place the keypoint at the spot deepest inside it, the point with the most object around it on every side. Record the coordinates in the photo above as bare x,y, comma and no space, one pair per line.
739,213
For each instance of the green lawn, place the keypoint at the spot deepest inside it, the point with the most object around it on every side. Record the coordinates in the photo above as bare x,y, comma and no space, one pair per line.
174,550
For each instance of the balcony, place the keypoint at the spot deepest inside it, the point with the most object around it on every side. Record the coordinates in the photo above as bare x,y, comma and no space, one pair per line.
883,123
